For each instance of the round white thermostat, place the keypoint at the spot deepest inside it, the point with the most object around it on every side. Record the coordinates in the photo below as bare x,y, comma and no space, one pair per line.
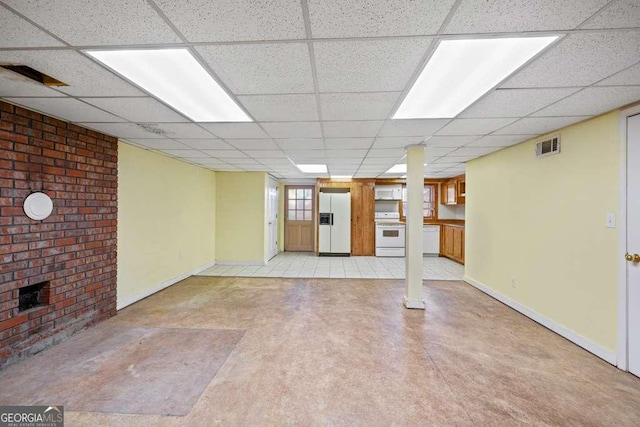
38,206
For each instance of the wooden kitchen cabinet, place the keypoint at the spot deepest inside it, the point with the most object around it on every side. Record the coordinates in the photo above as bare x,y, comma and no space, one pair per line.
452,242
454,191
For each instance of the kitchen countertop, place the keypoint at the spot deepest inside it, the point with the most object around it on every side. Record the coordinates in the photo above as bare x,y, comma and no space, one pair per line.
457,222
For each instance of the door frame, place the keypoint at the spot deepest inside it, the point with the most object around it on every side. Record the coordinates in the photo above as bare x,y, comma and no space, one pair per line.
622,350
314,212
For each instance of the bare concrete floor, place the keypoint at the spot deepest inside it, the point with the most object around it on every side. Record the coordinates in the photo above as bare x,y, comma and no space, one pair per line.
322,352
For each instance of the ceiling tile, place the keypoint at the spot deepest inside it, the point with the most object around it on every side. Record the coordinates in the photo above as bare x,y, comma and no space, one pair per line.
13,84
285,108
368,66
515,102
345,162
619,14
226,154
412,127
235,130
301,144
357,106
373,18
84,77
580,60
184,154
179,130
449,141
68,109
205,144
482,16
266,68
17,32
276,162
123,130
293,129
377,161
438,151
389,153
137,109
347,153
500,140
233,20
630,76
159,144
348,143
473,126
254,144
351,129
98,22
245,162
538,125
266,154
306,154
208,161
593,101
474,151
397,141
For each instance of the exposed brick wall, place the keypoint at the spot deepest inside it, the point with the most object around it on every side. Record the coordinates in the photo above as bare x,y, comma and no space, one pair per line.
74,249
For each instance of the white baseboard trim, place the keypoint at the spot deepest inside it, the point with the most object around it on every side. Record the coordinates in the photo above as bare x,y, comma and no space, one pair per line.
240,263
122,304
546,322
413,304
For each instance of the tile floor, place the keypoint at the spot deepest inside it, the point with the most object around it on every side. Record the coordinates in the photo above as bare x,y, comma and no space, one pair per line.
310,352
307,265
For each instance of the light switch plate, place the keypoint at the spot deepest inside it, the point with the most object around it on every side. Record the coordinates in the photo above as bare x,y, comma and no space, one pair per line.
611,220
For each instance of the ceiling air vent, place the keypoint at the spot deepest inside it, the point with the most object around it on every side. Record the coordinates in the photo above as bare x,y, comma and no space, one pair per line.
34,75
548,146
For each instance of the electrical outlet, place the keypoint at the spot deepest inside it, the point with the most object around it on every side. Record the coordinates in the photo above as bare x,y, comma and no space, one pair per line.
514,281
611,220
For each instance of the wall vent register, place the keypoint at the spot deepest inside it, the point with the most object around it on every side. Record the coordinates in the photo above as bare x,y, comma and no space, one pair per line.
548,147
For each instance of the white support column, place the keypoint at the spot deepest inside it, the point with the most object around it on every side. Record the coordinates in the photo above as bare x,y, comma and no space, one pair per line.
413,260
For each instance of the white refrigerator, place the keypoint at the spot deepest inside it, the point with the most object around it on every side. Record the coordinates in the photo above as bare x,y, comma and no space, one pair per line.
334,234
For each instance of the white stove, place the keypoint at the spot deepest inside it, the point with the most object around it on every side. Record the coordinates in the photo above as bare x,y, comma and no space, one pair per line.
390,234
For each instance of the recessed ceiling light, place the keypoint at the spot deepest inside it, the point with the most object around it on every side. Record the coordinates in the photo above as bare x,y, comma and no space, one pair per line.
312,168
461,71
341,176
400,168
174,76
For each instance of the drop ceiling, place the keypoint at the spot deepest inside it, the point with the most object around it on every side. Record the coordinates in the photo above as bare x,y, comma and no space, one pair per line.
321,78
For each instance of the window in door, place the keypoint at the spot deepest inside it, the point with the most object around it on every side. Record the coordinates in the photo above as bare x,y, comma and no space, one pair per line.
299,204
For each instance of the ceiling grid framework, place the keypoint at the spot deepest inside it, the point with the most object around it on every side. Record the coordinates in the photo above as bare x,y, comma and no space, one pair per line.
321,78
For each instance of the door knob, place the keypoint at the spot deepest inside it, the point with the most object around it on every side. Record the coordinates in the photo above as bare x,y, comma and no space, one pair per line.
632,258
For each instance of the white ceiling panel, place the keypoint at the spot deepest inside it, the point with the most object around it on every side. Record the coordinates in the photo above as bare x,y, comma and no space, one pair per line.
482,16
390,153
205,144
368,66
268,68
208,161
306,154
123,130
233,20
13,84
293,129
357,106
347,143
438,151
630,76
619,14
537,125
592,101
301,144
412,127
351,129
254,144
348,153
16,32
515,102
281,108
499,140
66,108
266,154
245,162
179,130
226,154
474,151
185,154
160,144
449,141
580,60
379,161
137,109
474,126
373,18
84,77
397,141
344,162
98,22
235,130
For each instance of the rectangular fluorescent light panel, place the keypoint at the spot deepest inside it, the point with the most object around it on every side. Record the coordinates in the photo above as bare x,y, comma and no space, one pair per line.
312,168
461,71
400,168
341,177
175,77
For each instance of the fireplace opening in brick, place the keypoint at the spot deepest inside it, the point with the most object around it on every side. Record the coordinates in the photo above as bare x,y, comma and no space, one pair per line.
31,296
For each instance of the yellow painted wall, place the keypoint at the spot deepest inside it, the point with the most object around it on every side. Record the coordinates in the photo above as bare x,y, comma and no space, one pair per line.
542,221
166,219
240,217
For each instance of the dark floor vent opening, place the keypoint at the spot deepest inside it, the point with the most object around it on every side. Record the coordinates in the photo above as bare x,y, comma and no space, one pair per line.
31,296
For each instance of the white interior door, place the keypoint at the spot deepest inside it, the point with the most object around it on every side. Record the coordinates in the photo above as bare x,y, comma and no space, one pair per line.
272,218
633,240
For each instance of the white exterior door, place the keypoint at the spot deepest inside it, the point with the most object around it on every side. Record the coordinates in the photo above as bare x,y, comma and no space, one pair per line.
272,218
633,240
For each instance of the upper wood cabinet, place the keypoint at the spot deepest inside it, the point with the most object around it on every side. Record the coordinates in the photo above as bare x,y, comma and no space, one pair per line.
454,191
